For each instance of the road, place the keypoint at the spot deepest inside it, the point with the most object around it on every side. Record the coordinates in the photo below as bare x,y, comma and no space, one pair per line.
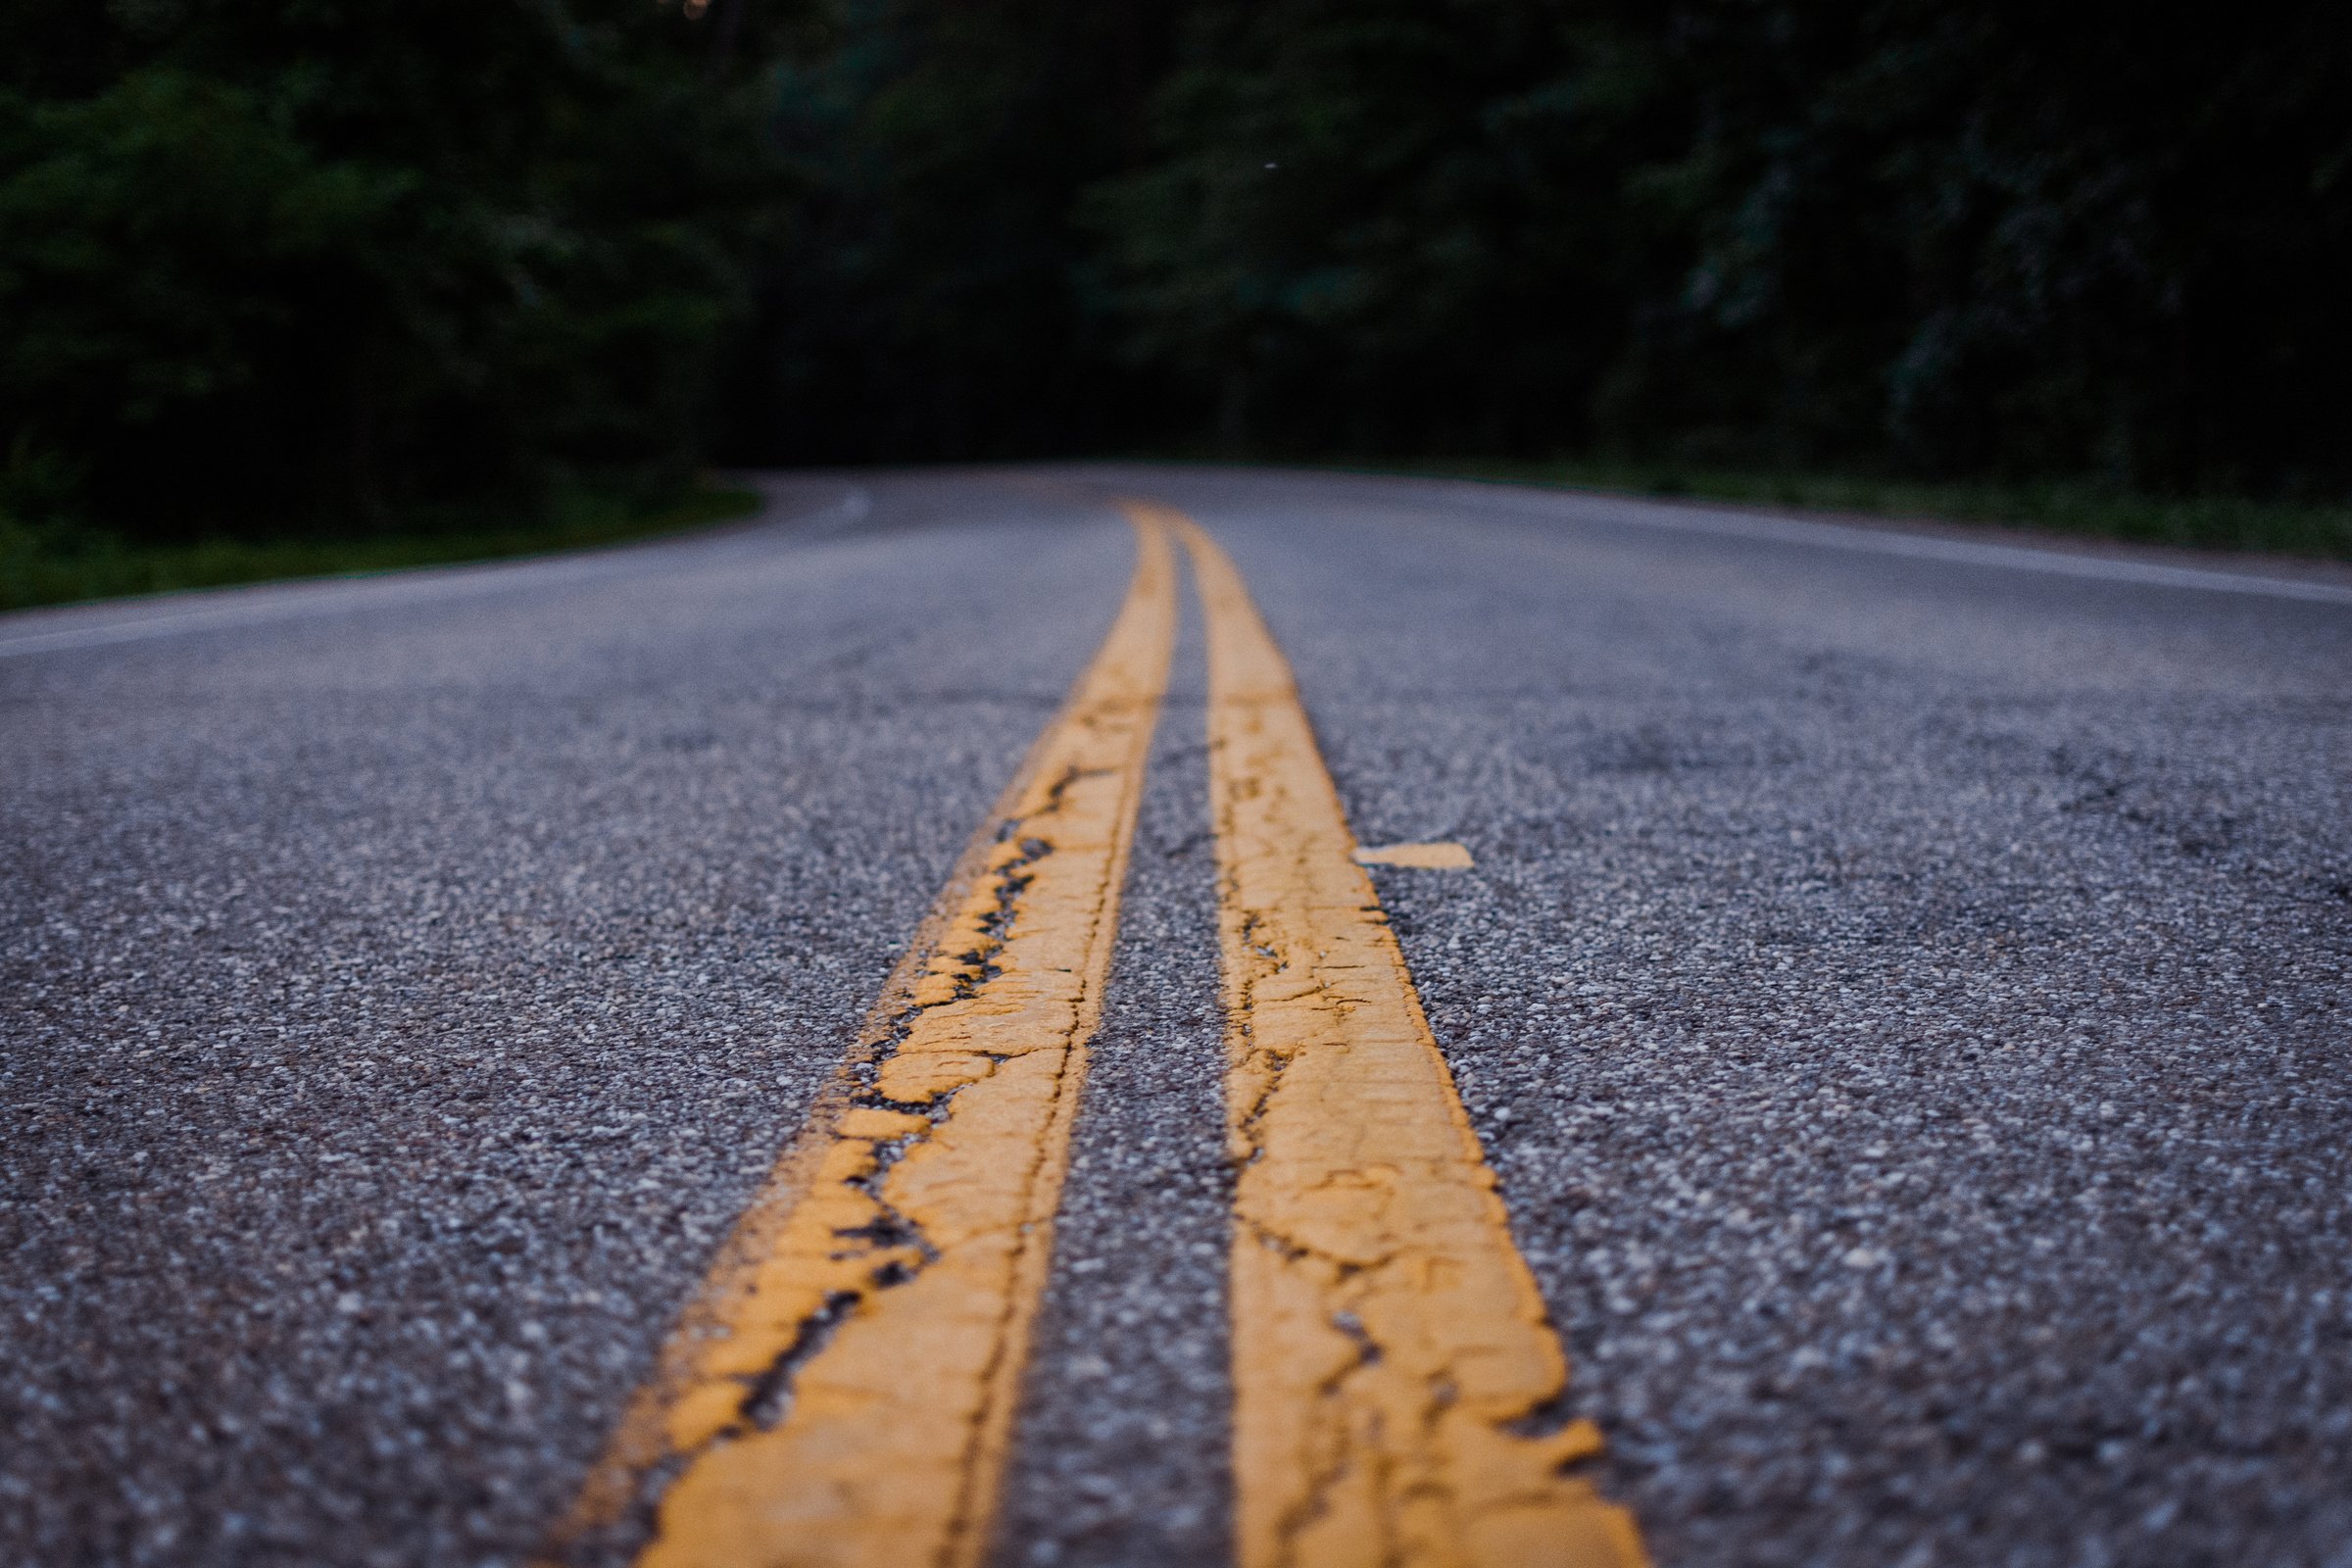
1900,992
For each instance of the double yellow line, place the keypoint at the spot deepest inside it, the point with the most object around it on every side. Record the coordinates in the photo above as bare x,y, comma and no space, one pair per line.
842,1391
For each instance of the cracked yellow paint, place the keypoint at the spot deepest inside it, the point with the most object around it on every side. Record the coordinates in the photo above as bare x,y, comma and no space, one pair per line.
844,1394
1420,856
1394,1372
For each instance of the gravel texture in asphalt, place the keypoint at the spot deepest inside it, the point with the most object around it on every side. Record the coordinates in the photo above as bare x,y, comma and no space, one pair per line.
1907,1006
401,1005
1903,992
1128,1408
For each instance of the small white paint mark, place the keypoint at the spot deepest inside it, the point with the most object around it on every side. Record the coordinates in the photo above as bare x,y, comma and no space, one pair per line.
1421,857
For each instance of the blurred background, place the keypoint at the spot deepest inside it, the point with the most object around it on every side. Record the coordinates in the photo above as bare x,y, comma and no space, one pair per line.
310,285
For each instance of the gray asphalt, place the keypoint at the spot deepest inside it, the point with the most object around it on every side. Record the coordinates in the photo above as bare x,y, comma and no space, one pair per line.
1904,990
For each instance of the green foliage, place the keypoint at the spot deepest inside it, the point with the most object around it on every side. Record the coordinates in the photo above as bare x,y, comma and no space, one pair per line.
933,297
60,563
335,262
352,268
1998,239
1371,225
2101,243
2002,240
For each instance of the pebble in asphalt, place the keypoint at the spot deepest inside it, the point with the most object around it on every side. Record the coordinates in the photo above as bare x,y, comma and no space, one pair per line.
1905,1002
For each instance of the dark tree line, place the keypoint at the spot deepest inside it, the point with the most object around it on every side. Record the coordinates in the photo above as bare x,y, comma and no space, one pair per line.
338,262
352,263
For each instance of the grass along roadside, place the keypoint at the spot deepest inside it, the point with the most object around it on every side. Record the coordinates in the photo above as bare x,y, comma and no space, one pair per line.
51,566
2316,530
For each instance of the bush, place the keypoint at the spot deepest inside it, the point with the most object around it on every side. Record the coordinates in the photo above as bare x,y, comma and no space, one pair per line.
346,267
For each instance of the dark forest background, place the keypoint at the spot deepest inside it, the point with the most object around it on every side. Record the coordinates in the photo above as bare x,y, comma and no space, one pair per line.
340,266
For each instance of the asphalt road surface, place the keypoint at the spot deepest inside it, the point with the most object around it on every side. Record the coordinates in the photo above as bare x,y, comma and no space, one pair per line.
1903,990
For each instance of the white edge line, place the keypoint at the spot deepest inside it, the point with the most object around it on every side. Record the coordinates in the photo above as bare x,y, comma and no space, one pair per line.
1575,506
296,598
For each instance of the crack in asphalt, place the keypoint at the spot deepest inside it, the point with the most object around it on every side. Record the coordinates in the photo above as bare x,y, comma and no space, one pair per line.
891,1237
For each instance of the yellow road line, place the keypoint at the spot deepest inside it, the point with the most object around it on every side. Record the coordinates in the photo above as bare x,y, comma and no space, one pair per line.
845,1390
1394,1368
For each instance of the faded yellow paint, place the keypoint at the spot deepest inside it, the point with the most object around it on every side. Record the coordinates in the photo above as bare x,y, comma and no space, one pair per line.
1394,1372
1421,857
844,1394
